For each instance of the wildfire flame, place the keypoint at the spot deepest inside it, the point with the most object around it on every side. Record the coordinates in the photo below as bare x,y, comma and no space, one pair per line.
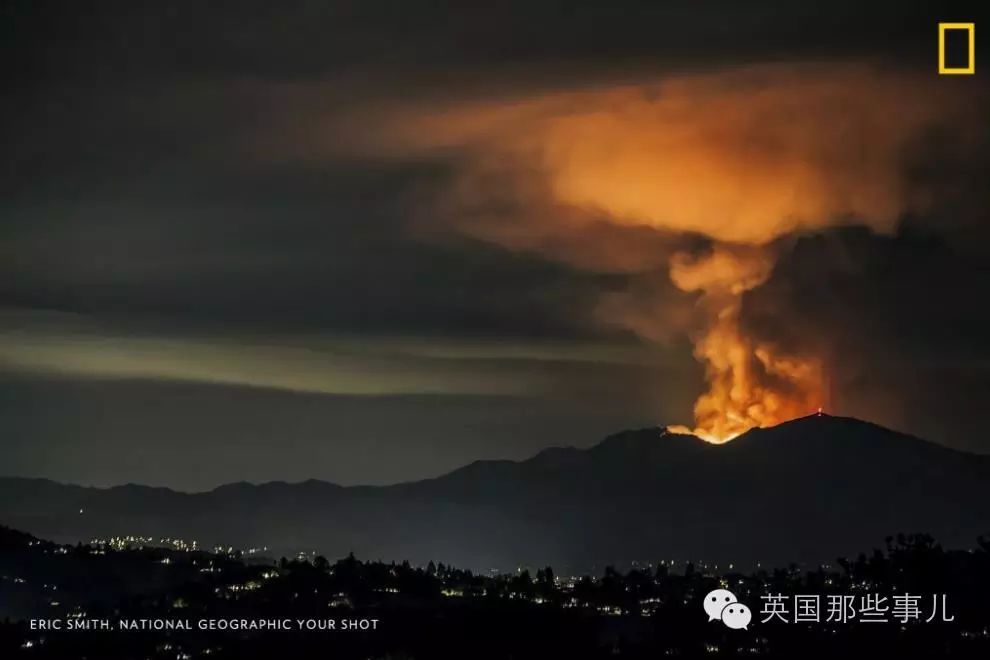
751,383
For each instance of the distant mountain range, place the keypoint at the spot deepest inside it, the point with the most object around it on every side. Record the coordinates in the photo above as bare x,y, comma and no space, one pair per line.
808,490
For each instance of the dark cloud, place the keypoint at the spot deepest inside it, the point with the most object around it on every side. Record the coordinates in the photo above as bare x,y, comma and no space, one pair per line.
900,322
358,39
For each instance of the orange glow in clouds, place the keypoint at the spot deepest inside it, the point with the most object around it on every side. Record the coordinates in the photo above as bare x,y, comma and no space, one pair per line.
737,158
742,159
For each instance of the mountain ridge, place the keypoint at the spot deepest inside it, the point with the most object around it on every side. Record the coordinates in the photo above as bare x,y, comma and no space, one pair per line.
803,490
660,431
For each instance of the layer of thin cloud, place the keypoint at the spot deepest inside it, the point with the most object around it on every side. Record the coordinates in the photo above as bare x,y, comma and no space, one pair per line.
324,364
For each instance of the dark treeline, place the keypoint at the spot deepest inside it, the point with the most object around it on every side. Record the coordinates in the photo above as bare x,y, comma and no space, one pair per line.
438,611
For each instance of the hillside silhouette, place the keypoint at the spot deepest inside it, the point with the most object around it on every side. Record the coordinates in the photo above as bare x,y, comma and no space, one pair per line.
808,490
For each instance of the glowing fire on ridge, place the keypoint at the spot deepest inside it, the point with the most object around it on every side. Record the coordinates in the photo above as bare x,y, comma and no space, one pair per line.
750,383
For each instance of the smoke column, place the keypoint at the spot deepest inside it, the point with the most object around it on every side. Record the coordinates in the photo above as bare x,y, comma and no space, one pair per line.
698,177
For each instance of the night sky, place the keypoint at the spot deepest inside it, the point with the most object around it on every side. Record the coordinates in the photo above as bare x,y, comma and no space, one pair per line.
374,241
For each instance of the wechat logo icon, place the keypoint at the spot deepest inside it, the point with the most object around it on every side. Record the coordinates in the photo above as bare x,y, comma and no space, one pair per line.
722,605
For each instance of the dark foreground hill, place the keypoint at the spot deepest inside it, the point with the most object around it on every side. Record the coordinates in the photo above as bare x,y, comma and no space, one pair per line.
809,490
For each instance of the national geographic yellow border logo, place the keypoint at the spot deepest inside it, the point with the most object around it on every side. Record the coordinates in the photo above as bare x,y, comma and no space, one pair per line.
969,70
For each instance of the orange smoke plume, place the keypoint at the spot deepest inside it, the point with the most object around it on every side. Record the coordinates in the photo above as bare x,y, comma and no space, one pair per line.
625,179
